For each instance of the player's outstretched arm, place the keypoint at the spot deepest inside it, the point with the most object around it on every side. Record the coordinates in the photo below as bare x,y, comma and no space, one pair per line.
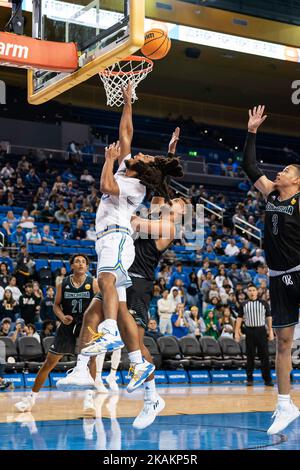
126,125
249,164
108,184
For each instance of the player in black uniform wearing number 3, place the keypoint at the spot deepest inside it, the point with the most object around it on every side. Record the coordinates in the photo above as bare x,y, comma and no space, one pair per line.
73,296
282,248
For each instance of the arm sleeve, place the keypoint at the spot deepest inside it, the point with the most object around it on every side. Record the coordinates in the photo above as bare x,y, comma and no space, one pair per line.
249,163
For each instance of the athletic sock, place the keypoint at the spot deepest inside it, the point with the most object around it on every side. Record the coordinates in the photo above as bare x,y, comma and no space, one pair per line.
115,361
99,366
110,325
135,357
33,395
284,401
82,362
149,390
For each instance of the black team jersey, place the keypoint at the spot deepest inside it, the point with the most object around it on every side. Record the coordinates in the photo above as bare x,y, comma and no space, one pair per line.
282,232
146,258
76,300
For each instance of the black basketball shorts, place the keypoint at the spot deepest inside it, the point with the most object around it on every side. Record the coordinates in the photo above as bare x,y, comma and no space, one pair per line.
285,299
65,339
138,299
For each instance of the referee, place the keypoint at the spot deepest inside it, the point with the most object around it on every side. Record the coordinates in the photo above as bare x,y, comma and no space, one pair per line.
255,312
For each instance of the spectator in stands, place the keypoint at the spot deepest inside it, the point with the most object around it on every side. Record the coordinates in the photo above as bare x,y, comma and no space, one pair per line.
32,178
47,329
165,309
153,330
213,291
258,258
245,276
211,324
174,298
5,326
12,286
226,323
86,206
30,330
20,187
26,221
61,275
68,175
7,171
221,277
19,330
25,266
4,275
156,295
18,237
218,249
47,238
193,291
23,165
195,321
46,306
29,304
225,292
234,274
59,186
3,197
260,276
66,231
34,237
244,255
86,177
91,233
70,191
179,323
214,232
231,249
79,233
47,214
202,271
179,274
93,199
37,290
9,223
162,284
165,273
60,215
9,186
206,283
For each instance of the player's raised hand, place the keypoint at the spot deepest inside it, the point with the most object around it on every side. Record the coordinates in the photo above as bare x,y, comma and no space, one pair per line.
112,152
67,320
256,118
127,93
174,140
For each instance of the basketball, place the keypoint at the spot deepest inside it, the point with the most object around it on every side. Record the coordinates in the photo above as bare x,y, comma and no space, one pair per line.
157,44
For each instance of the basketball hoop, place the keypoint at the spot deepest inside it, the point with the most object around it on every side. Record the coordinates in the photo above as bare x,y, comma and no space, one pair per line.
133,69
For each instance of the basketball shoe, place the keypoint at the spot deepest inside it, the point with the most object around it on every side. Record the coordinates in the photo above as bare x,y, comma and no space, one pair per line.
105,340
112,383
88,403
149,412
26,404
139,373
76,379
284,415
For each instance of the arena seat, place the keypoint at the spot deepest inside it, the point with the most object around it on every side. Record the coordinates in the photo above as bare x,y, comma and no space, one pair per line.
41,263
11,351
231,350
191,350
171,354
55,265
124,362
47,343
154,351
68,361
30,349
211,350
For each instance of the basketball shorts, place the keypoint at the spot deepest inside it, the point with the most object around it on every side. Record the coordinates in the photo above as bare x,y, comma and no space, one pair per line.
138,299
285,299
65,339
116,254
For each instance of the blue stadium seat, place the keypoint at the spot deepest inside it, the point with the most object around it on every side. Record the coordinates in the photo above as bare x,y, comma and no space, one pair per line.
67,266
41,263
56,264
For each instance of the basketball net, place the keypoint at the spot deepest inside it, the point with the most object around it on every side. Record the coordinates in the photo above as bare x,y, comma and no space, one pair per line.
133,69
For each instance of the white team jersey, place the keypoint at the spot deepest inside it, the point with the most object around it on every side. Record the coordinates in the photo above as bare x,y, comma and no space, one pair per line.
118,210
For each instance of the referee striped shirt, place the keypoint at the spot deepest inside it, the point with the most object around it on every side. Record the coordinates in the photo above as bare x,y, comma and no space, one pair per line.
254,312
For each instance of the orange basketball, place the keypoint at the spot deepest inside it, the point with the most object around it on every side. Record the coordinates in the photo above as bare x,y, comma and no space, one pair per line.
157,44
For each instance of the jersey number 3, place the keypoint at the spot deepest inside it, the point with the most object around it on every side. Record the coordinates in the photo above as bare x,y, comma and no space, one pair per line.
275,224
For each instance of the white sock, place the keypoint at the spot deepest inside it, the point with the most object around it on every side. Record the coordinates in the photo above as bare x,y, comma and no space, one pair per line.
110,325
89,393
115,360
284,400
99,366
149,390
82,361
34,395
135,357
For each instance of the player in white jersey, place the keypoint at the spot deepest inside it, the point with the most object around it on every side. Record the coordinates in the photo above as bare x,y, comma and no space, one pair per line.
123,192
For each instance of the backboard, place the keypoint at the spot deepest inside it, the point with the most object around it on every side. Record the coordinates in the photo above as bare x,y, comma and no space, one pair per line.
105,32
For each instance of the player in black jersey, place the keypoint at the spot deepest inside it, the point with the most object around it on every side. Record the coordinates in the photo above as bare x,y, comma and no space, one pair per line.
73,296
282,248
